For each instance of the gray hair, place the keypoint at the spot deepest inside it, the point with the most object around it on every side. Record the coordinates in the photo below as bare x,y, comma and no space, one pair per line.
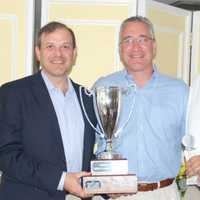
139,19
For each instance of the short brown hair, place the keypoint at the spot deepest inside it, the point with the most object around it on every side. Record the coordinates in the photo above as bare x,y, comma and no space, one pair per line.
51,27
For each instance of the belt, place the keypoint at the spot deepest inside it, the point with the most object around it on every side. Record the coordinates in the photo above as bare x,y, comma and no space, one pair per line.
144,187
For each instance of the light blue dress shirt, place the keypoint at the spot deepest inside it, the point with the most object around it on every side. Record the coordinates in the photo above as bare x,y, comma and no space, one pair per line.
151,140
71,125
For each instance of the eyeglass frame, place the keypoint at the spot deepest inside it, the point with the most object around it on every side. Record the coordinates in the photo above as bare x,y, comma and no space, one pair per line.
141,40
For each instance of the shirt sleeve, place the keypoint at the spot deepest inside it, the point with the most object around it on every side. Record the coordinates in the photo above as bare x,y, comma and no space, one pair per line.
61,182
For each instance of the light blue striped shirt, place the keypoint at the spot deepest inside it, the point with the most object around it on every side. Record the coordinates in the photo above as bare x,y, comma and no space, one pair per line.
71,125
151,141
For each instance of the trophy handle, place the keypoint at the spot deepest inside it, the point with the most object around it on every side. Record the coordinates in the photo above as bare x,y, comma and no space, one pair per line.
88,93
125,91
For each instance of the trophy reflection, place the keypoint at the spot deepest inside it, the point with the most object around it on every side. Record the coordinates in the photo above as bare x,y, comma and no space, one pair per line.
110,169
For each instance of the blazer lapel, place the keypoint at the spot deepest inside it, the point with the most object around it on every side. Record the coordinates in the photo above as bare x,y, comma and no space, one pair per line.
45,104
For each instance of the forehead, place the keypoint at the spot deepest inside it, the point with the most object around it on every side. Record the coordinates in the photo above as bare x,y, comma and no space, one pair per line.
135,29
57,35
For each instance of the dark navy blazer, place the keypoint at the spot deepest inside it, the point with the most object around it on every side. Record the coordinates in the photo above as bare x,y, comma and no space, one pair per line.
31,151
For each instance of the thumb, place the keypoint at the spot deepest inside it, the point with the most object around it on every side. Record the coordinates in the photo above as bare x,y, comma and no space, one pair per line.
83,173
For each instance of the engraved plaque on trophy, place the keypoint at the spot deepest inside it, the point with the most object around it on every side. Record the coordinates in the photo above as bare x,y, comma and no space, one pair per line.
110,169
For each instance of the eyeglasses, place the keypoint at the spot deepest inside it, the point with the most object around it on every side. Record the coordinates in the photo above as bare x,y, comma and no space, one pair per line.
141,40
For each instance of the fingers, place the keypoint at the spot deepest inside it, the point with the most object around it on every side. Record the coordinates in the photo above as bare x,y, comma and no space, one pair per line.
193,166
72,184
198,180
83,194
82,174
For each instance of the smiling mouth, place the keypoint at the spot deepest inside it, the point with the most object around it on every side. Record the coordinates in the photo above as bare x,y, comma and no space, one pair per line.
136,56
57,62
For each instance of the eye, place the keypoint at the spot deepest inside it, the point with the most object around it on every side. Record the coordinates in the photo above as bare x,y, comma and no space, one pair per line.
67,46
142,40
127,40
49,46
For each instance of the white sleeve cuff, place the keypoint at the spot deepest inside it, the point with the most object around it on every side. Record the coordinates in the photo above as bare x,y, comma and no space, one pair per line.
61,182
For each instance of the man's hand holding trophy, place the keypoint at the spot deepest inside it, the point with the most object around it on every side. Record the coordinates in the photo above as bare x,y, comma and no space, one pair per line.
110,170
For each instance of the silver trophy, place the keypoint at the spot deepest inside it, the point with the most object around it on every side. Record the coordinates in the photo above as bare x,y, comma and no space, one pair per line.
110,169
107,103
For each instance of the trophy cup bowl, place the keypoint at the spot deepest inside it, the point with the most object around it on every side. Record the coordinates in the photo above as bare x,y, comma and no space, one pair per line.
107,107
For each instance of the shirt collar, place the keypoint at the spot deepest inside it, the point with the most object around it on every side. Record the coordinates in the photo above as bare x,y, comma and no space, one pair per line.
130,79
51,87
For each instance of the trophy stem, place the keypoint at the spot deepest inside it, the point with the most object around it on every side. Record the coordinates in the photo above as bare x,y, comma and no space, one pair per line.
109,145
108,154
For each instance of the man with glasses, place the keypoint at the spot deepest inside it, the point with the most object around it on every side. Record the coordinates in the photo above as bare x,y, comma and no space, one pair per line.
151,141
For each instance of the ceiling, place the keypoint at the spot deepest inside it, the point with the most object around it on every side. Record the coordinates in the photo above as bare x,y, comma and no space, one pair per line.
186,4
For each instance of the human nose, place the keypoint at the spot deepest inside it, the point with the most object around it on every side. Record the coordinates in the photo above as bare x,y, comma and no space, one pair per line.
57,51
